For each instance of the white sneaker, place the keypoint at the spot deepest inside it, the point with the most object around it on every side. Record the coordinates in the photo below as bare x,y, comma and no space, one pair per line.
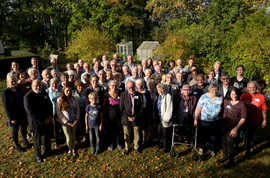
200,152
212,153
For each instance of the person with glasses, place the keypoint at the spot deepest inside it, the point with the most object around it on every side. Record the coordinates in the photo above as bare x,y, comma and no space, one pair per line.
257,107
94,87
200,87
224,86
113,66
112,115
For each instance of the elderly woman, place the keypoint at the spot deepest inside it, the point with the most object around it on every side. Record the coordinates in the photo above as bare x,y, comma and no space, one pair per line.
68,112
147,108
184,106
147,73
71,76
54,92
153,94
79,94
158,79
112,115
24,85
164,116
12,99
207,117
234,115
54,73
32,74
120,86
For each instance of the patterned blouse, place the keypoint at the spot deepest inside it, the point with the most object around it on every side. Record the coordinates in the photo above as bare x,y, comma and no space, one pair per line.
211,108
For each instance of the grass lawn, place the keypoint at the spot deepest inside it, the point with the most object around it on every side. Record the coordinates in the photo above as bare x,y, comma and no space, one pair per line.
150,163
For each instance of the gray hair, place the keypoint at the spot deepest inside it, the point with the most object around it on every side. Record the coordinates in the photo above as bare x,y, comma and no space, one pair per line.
147,70
224,75
30,70
53,71
54,80
217,62
169,74
149,82
106,62
213,85
113,61
155,61
34,58
157,66
158,76
140,80
45,70
136,68
108,70
125,66
144,60
110,82
256,85
71,72
76,64
160,85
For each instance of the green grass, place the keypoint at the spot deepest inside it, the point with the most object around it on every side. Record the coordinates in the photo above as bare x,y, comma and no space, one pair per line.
114,164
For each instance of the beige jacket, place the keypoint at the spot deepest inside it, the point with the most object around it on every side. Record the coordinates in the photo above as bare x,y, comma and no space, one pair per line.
63,115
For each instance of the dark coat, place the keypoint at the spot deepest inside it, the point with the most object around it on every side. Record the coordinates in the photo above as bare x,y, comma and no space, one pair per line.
126,109
12,105
198,92
220,90
37,111
147,113
178,109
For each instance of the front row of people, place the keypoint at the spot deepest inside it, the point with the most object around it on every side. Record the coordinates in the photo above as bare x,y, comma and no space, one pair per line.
133,109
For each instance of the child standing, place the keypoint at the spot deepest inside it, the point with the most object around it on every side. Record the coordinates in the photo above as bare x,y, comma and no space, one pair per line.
93,121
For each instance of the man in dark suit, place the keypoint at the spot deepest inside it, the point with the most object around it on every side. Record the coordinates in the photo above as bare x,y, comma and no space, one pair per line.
172,88
39,109
200,87
131,107
54,66
35,65
224,86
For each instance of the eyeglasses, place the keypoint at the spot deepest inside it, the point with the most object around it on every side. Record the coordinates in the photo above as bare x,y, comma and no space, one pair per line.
92,98
225,79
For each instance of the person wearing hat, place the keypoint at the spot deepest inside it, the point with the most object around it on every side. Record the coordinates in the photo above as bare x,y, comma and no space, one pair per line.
184,105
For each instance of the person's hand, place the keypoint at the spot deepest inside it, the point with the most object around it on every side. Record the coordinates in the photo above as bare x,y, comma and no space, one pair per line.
264,124
100,127
195,123
14,122
86,128
234,132
244,90
74,123
166,122
131,119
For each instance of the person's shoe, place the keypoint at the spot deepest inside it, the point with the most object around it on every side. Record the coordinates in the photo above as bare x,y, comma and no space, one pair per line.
26,143
126,152
19,149
200,152
223,159
138,151
119,147
84,138
39,160
111,148
74,153
212,153
229,165
69,153
97,151
92,150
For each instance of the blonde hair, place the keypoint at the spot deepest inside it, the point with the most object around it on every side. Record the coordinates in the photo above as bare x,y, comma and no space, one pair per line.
11,77
92,94
30,71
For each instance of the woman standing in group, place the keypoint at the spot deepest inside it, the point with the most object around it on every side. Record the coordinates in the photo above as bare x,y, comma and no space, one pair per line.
120,86
14,68
12,99
150,63
207,118
235,113
239,81
94,87
112,115
211,77
147,108
147,73
68,112
164,116
171,64
79,93
24,85
54,93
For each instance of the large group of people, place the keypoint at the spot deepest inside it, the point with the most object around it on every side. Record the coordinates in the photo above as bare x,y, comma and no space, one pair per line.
110,99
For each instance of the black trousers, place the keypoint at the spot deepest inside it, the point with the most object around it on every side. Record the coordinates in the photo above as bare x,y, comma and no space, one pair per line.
228,142
113,131
164,136
43,132
15,130
252,129
208,133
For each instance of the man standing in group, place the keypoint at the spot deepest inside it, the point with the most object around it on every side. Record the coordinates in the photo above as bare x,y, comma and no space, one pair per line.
130,62
218,72
172,88
54,66
39,109
116,57
256,107
35,65
45,83
80,62
224,86
131,106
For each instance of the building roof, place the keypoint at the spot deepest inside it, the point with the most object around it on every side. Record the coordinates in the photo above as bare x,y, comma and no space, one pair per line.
148,45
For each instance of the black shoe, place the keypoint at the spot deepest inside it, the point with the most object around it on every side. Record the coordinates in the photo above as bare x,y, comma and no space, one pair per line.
126,152
39,160
229,165
223,159
138,151
26,143
19,149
